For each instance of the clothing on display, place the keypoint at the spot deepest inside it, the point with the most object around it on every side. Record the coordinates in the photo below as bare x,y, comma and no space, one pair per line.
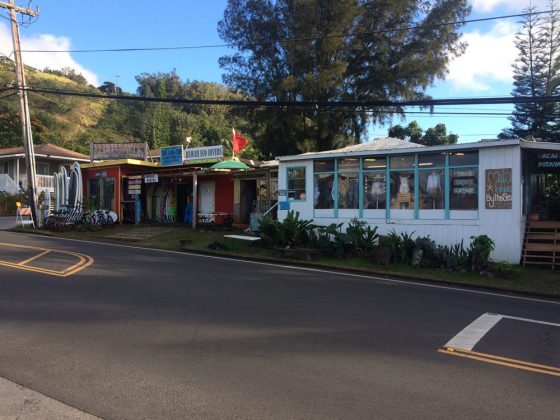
433,186
404,187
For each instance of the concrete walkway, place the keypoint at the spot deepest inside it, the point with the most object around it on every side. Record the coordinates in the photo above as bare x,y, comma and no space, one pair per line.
19,402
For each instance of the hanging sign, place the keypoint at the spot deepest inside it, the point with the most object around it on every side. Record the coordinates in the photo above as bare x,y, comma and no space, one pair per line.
151,179
204,154
498,188
172,155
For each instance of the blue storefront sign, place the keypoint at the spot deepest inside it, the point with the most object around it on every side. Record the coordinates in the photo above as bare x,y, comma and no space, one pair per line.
172,155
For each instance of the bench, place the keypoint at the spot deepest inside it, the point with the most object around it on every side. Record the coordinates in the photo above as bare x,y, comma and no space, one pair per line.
308,253
251,239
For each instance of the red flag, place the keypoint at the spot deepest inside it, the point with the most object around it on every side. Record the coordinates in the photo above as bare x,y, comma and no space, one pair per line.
239,142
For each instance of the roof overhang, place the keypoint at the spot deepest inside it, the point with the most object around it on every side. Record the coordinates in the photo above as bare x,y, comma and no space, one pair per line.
402,151
41,155
121,162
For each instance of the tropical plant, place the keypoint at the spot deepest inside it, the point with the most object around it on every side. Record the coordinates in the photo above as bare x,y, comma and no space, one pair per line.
479,252
291,232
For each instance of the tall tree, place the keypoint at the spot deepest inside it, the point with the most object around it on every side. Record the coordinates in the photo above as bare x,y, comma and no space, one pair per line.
536,74
436,136
334,50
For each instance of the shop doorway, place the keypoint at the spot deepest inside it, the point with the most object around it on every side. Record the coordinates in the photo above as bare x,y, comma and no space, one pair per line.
542,185
248,192
184,199
207,200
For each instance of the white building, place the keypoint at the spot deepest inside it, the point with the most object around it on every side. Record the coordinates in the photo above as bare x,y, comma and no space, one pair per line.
449,193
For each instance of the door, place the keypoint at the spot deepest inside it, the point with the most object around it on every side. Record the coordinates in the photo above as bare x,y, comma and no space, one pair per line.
206,198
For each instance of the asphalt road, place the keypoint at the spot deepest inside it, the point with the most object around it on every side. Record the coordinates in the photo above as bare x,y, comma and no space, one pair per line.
149,334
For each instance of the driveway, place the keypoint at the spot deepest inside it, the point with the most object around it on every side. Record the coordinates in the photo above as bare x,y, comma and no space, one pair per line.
7,222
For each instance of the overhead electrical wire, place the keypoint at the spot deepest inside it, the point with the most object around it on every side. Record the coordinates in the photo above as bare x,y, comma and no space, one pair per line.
312,104
288,40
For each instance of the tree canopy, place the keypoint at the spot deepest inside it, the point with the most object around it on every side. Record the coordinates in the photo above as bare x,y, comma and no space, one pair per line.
436,136
334,50
536,74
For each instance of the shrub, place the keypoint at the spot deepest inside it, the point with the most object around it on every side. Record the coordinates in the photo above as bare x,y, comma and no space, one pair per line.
479,252
8,203
503,270
361,236
291,232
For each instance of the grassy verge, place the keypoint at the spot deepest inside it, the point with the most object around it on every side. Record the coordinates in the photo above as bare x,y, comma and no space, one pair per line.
183,238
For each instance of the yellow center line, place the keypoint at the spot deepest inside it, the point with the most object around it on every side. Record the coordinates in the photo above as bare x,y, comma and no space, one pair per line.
83,261
503,361
33,258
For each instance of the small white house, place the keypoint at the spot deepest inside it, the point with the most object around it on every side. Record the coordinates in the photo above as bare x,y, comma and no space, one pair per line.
449,193
48,159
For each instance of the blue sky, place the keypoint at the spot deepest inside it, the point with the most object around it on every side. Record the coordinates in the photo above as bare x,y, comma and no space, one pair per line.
485,69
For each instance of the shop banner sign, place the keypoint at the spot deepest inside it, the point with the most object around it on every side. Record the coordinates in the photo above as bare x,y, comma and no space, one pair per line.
548,162
172,155
498,188
204,154
151,179
110,151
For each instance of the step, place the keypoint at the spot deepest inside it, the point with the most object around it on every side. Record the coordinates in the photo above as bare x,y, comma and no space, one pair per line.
542,247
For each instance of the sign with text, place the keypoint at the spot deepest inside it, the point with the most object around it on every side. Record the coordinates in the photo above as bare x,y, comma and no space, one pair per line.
548,162
151,179
111,151
172,155
204,154
498,188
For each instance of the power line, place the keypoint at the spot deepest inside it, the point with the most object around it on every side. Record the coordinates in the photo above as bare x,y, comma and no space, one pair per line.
364,105
305,39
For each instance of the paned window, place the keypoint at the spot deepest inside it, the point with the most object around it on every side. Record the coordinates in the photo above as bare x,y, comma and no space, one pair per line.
296,183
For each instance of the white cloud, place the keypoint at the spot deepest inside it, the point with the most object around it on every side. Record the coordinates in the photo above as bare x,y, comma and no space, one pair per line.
55,61
486,61
485,6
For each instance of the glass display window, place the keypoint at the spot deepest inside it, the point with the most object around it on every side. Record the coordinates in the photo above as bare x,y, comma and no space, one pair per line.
432,160
402,162
402,190
348,191
431,189
296,183
323,196
323,165
349,164
463,189
463,158
374,190
375,163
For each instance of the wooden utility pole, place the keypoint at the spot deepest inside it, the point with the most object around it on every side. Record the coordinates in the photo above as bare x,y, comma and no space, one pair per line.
23,104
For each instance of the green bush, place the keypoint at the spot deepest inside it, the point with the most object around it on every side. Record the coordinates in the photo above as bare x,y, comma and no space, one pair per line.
291,232
504,270
8,203
479,252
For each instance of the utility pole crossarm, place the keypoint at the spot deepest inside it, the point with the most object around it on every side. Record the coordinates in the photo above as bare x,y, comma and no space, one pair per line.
19,9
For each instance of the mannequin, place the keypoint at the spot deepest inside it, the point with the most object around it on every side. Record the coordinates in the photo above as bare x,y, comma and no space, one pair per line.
433,187
378,188
404,187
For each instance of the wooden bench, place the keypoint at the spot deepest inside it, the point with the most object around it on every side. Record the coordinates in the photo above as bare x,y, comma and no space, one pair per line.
308,253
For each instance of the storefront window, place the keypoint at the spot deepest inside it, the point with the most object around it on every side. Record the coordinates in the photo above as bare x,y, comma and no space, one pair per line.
348,191
101,193
296,183
374,190
433,160
463,189
431,192
401,162
349,164
323,165
402,189
374,163
323,191
463,158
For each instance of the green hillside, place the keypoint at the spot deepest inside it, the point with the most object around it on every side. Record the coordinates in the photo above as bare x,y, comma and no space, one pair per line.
75,122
